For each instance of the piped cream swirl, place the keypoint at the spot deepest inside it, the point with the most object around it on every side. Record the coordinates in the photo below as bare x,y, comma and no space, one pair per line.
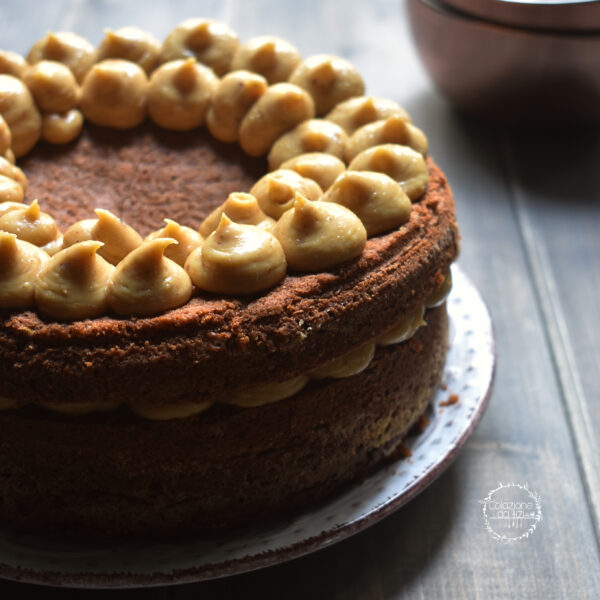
237,259
118,239
187,239
378,200
316,236
32,225
240,208
73,283
20,263
401,163
179,94
114,94
276,191
145,282
322,168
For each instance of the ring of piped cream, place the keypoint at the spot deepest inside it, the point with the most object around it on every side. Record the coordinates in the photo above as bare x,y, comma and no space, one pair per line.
269,108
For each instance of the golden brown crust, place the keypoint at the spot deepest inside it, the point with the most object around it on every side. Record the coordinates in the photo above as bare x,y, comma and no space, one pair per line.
221,467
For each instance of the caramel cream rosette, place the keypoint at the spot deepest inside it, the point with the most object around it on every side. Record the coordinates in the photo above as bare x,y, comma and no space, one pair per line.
233,98
12,63
322,168
187,239
79,408
271,57
345,366
266,100
20,263
329,80
20,113
279,109
403,330
166,412
10,190
62,128
393,130
7,206
438,297
237,259
113,94
267,392
179,94
6,403
276,191
376,199
146,283
133,44
210,42
73,284
357,112
10,170
401,163
5,136
65,47
314,135
118,239
34,226
53,86
240,208
316,236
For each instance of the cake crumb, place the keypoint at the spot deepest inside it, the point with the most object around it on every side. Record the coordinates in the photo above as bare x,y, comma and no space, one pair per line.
415,345
422,423
404,451
452,399
444,385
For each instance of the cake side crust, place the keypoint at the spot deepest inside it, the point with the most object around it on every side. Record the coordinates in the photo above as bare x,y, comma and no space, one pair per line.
114,474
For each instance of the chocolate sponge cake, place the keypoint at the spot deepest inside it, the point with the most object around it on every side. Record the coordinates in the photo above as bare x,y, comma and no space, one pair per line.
112,473
223,406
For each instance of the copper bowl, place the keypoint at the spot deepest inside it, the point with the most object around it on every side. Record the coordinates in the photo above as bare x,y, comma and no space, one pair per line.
505,72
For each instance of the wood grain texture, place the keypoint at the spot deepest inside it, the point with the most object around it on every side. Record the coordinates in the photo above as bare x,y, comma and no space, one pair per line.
564,261
528,206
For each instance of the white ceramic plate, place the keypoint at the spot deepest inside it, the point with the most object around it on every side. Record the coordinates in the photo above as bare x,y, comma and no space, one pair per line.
468,373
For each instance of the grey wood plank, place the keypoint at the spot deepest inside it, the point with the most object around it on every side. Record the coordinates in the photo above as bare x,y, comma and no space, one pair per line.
156,16
437,546
20,30
564,255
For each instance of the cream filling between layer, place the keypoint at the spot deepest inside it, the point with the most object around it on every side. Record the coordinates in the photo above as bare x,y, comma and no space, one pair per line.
344,366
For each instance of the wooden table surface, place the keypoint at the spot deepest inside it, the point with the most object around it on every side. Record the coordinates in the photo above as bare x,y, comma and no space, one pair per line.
529,210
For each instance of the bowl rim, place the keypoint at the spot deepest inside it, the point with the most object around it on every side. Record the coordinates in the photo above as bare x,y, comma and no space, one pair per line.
561,16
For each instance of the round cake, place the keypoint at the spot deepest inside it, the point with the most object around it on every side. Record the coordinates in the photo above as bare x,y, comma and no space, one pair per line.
276,339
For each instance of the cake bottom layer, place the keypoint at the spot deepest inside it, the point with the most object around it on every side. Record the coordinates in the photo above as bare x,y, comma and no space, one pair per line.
115,474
